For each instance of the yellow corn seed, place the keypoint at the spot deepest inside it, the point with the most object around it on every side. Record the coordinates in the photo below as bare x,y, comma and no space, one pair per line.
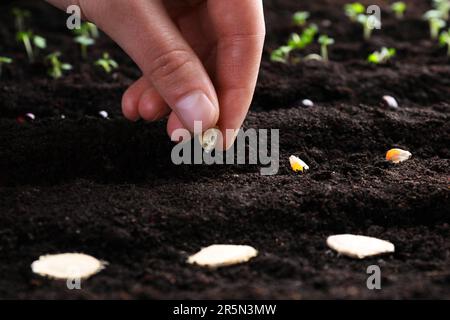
398,155
297,164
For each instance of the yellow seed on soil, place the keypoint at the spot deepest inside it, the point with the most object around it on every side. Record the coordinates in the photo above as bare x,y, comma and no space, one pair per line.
398,155
297,164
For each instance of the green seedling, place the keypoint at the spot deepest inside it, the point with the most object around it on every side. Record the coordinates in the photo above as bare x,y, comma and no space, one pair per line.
353,10
443,6
325,42
85,36
383,56
295,42
4,60
444,40
107,63
300,18
309,34
56,66
84,42
369,22
399,8
436,22
303,40
87,29
281,54
20,16
93,30
32,43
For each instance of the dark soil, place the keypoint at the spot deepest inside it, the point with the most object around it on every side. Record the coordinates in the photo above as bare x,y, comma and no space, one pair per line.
108,187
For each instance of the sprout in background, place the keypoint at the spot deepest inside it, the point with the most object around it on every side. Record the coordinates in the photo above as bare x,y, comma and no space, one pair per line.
93,30
369,22
325,41
399,8
444,40
4,60
87,29
56,66
436,21
281,54
84,42
106,63
443,6
295,42
299,42
353,10
20,16
300,18
32,43
309,34
383,56
85,37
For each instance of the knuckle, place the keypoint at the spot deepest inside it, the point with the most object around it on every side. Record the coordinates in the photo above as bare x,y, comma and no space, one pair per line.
170,63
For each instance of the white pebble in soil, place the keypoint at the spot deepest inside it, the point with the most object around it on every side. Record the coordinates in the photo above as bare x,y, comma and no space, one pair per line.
390,102
103,114
67,266
307,103
222,255
30,116
360,247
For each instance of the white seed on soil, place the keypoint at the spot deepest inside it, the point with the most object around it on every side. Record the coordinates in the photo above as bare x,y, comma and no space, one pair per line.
103,114
67,266
209,139
63,116
222,255
359,247
30,116
307,103
390,102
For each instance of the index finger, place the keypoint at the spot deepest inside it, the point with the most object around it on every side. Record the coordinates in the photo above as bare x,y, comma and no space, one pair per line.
240,29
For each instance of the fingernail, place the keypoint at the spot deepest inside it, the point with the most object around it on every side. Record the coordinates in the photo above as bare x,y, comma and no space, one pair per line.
196,107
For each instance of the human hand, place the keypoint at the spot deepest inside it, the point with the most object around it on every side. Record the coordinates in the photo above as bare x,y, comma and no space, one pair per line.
199,58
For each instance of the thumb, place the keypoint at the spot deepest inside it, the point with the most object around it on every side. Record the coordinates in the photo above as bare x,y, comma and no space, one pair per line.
147,33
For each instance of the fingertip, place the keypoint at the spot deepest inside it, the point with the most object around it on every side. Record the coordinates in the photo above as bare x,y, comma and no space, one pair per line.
130,99
173,129
129,108
151,106
194,108
227,138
